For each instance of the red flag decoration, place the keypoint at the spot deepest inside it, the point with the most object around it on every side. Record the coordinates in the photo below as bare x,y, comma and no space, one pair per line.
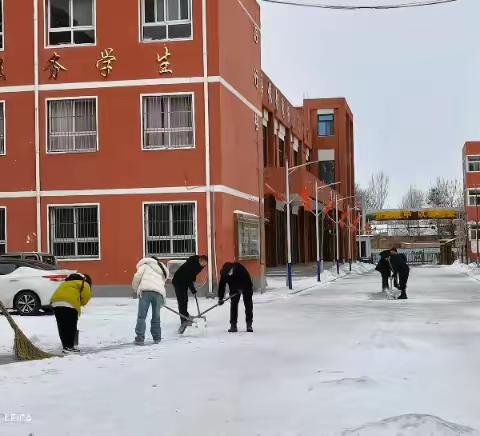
307,202
278,196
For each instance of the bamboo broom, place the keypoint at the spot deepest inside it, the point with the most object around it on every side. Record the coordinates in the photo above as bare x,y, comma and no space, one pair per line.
22,346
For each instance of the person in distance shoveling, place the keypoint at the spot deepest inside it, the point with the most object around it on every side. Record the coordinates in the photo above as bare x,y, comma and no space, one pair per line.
239,282
183,280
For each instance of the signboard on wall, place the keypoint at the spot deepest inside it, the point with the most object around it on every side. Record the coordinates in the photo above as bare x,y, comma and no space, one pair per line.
410,215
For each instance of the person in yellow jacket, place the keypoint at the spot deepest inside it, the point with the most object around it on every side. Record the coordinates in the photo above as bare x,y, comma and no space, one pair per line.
67,302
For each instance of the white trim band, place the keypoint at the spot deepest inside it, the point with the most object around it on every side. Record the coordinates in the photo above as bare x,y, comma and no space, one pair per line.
133,191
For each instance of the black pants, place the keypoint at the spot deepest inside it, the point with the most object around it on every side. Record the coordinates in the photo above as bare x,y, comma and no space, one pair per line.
385,276
402,280
247,301
67,319
182,299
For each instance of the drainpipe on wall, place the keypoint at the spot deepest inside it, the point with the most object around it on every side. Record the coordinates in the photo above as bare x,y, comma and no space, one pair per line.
206,101
37,127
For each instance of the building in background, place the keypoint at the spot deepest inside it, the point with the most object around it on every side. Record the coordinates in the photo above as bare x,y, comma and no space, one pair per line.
471,183
146,135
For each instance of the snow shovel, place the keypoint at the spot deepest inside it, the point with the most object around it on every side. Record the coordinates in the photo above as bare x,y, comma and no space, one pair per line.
200,320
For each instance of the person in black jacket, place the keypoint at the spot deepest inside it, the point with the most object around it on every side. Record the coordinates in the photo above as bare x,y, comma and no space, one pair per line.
398,261
183,280
383,267
239,282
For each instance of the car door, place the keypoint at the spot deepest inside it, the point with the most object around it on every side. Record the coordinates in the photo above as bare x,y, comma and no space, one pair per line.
8,283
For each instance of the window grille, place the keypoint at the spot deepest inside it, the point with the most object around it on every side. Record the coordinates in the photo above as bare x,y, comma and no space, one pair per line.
167,122
74,232
170,229
72,125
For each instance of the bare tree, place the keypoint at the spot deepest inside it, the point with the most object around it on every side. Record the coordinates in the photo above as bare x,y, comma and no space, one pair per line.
376,193
413,199
445,193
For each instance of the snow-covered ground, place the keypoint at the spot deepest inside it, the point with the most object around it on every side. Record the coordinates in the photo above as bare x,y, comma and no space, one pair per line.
334,359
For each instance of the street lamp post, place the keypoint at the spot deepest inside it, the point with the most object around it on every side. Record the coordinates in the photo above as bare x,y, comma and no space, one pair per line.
337,254
288,173
317,188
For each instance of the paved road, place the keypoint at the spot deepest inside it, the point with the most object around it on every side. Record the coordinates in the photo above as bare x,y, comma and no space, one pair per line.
324,362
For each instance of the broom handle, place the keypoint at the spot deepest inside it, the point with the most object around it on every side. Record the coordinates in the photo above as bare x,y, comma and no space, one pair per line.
11,321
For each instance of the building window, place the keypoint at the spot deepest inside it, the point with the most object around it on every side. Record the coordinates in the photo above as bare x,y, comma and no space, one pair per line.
248,237
74,232
3,230
170,229
71,22
473,196
326,124
473,163
327,171
265,146
166,19
281,153
168,122
2,128
473,234
1,24
72,125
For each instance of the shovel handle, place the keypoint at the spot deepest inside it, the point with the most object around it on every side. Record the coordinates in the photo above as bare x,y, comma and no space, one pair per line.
176,313
216,305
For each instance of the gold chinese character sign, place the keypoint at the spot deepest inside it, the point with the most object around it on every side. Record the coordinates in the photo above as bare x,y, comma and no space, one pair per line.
2,72
105,62
54,66
164,63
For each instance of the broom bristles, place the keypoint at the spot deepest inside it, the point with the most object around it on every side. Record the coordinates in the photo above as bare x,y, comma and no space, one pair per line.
22,346
25,350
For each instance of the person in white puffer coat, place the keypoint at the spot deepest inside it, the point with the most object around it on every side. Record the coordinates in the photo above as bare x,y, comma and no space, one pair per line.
149,284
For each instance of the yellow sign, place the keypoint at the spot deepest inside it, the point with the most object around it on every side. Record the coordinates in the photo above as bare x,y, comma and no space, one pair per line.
406,215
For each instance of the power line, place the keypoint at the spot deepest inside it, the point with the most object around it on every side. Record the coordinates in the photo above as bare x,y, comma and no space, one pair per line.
415,4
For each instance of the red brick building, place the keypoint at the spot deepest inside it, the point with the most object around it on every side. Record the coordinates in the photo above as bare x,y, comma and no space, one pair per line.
471,181
143,134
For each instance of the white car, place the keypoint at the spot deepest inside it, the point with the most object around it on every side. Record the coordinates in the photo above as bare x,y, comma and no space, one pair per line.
28,286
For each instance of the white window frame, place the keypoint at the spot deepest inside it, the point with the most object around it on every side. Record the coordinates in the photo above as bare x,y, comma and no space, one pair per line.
73,205
170,94
70,29
166,23
472,196
2,33
4,242
195,217
47,100
4,151
468,162
244,220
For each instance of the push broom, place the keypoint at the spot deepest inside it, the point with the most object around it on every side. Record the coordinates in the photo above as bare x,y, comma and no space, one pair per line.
22,346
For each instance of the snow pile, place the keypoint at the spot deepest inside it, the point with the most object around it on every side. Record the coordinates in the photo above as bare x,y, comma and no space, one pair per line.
471,269
412,425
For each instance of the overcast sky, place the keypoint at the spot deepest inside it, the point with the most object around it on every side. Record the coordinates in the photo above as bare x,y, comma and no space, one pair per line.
411,77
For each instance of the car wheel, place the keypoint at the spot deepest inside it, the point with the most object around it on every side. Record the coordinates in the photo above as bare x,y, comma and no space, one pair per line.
27,303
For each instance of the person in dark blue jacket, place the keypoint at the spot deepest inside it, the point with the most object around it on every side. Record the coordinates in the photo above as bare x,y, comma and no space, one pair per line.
239,282
398,262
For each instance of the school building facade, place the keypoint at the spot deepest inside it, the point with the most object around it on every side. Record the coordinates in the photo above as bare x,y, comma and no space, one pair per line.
155,133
